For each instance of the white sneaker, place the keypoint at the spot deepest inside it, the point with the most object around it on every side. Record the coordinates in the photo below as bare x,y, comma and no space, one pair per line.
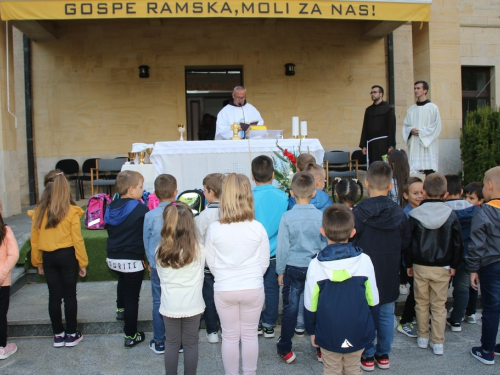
403,289
438,349
422,342
213,338
471,319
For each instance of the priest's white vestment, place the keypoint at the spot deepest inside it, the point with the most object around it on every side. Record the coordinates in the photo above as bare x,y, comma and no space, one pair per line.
230,114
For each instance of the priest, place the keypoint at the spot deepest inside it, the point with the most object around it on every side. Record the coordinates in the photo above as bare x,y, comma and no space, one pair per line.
421,129
239,111
379,122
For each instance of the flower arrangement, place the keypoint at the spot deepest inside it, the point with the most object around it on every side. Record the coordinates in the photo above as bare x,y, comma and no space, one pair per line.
285,167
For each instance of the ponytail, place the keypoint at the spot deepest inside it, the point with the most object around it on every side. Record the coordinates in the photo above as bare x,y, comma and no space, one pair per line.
55,200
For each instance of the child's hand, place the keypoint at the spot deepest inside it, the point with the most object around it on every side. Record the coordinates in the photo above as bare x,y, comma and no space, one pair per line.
40,270
280,280
474,280
452,272
410,272
313,341
83,272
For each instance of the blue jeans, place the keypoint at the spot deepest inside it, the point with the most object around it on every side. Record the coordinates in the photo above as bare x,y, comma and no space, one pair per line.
272,294
210,316
158,326
490,292
384,326
300,316
472,305
294,281
461,284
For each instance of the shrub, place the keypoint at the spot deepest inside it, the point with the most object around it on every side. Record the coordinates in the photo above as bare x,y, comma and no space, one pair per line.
480,143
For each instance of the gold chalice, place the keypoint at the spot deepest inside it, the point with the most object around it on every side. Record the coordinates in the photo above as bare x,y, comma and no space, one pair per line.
149,150
131,157
142,155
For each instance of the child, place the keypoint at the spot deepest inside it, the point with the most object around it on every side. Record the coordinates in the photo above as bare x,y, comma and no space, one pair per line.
321,200
434,255
299,240
165,191
382,232
400,172
180,260
345,192
465,211
270,204
303,160
340,288
57,249
413,194
483,263
124,219
474,193
9,254
212,188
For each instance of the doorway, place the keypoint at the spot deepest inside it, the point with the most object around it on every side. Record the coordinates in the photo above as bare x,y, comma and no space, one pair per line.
208,90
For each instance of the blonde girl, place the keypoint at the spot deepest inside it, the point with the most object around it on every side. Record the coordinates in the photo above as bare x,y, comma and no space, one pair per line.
180,262
238,256
58,251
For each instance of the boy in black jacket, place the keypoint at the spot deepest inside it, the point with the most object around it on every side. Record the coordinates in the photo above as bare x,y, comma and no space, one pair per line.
435,253
382,231
125,221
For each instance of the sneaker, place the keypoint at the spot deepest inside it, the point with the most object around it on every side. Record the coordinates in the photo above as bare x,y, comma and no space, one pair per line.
157,347
318,355
471,319
367,364
455,327
120,314
289,357
299,332
407,329
259,330
59,341
268,332
74,340
213,338
382,361
403,289
497,349
422,343
7,350
131,341
438,349
487,358
181,350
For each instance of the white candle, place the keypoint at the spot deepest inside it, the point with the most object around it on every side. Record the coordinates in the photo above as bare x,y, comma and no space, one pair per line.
303,128
295,126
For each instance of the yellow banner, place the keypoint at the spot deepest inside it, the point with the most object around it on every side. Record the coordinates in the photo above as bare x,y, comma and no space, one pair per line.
348,10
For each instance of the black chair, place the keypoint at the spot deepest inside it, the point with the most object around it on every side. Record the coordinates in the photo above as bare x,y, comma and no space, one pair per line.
71,170
339,164
86,167
104,166
358,155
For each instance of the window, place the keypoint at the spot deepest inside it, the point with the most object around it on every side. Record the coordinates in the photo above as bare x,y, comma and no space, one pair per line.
476,88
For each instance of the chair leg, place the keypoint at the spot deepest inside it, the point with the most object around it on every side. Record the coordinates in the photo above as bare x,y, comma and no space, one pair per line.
77,190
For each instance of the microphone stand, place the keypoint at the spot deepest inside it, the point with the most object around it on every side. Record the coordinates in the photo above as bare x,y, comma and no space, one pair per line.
367,154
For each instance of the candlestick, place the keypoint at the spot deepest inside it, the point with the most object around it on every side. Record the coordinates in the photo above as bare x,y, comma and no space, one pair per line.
303,129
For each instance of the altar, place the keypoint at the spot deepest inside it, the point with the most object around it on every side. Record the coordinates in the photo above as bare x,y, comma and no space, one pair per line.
189,162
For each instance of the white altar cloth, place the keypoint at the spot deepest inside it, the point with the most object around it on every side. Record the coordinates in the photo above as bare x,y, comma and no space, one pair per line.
148,171
189,162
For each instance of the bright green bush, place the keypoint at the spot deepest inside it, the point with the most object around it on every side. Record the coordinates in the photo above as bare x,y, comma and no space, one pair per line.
480,143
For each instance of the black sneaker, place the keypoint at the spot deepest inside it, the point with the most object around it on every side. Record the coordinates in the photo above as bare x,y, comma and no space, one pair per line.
131,341
382,361
455,327
268,332
299,332
120,314
74,340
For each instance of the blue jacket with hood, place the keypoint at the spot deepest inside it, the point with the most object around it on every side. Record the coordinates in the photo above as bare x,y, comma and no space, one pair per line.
321,201
465,212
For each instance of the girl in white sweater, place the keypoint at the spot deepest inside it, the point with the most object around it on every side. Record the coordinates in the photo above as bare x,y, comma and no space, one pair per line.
180,261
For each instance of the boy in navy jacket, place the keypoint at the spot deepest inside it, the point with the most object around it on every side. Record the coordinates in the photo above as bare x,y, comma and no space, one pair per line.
340,289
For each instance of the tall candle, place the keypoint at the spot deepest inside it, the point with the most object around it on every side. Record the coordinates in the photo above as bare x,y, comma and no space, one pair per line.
303,128
295,126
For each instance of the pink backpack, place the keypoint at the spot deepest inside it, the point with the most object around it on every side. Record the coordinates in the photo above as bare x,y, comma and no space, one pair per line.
96,208
153,201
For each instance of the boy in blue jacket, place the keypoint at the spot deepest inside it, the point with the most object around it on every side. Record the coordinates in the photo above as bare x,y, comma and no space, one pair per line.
340,289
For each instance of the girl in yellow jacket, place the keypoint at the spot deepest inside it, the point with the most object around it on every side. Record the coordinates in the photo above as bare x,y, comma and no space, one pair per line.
57,249
9,253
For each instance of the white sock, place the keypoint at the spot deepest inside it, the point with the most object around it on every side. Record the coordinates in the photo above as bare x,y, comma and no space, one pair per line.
60,334
72,334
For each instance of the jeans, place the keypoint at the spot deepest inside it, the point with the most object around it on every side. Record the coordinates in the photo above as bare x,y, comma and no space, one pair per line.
128,291
490,292
300,315
210,316
461,285
61,272
294,281
4,307
472,305
272,292
384,326
158,326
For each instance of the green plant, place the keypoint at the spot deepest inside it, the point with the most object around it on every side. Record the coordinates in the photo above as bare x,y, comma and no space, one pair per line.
480,143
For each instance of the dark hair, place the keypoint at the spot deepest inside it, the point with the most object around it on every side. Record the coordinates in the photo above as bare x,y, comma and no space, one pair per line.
303,160
338,222
346,190
398,161
379,87
262,168
424,84
410,181
165,186
453,184
303,185
3,229
435,186
475,187
213,181
379,175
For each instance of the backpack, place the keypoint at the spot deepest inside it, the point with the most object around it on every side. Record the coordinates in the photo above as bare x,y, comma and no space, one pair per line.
96,208
194,199
153,201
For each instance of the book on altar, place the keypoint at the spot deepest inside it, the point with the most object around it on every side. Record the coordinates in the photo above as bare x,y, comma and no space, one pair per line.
245,125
